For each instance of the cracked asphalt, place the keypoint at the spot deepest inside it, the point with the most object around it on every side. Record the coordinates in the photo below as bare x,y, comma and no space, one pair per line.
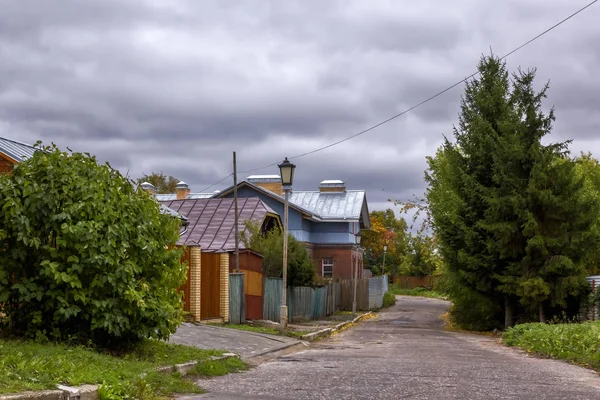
405,354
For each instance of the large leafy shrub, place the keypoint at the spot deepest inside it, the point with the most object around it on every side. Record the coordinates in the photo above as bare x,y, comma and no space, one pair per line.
83,255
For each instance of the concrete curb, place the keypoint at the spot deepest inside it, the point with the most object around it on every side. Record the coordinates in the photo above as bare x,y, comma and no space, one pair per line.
84,392
256,359
330,331
185,368
284,346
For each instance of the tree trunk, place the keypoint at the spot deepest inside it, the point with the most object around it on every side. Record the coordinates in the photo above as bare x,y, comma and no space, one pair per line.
542,313
508,313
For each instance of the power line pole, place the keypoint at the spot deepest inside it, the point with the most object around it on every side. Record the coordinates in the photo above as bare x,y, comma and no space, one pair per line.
235,208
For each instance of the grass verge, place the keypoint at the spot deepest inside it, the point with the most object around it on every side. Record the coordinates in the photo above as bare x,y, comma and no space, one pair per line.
420,292
577,343
263,329
27,365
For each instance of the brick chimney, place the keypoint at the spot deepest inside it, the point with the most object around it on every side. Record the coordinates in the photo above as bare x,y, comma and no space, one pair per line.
148,187
271,183
332,186
182,190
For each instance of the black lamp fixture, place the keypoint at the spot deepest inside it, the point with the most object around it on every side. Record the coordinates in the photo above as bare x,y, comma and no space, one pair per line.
358,237
286,169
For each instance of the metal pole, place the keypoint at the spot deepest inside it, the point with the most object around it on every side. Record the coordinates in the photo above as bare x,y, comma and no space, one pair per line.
284,309
235,210
383,267
355,282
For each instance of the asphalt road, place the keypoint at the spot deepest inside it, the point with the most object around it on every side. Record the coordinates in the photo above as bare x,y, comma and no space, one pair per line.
405,354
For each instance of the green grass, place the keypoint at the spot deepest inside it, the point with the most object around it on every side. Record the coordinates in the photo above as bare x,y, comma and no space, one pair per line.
577,343
27,365
420,292
263,329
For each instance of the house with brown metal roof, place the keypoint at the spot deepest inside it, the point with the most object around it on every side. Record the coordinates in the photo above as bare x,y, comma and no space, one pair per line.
209,244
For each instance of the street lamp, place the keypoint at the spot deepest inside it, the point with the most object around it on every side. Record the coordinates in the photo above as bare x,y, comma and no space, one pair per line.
357,238
383,267
286,169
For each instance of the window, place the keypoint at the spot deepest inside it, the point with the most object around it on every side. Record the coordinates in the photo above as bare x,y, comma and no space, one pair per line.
327,267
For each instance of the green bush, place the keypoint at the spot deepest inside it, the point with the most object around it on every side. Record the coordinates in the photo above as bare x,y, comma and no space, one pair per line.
270,244
472,311
388,300
84,255
572,342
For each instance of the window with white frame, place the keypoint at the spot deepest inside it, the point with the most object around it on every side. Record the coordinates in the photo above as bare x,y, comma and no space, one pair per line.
327,267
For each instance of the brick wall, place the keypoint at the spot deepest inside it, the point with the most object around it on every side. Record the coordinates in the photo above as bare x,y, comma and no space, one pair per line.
343,259
195,282
224,286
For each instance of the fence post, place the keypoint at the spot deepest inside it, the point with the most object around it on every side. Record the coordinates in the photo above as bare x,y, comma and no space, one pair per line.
224,286
195,282
593,305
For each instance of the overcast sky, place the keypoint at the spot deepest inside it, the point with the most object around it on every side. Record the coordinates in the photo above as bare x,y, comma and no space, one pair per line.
177,85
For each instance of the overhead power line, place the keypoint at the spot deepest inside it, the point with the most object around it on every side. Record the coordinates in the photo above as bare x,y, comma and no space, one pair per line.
215,184
427,100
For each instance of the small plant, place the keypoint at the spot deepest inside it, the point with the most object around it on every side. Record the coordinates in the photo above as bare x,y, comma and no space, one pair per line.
389,300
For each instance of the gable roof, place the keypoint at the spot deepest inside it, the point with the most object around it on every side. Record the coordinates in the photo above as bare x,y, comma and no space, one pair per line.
16,151
211,221
331,205
265,192
350,205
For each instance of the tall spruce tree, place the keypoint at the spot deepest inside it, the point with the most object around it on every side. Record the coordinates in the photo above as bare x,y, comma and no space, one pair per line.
510,211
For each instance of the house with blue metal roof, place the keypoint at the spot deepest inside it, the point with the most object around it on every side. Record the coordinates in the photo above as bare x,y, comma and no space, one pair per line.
325,220
13,152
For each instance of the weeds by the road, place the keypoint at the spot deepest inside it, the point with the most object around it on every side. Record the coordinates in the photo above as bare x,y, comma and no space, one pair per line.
27,365
578,343
220,367
263,329
389,299
420,292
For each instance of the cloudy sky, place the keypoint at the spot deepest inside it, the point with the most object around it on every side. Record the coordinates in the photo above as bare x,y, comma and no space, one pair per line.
177,85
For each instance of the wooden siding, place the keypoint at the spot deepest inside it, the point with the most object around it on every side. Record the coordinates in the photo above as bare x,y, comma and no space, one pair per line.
6,166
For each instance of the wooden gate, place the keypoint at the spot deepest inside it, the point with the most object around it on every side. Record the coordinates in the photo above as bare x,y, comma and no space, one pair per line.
210,285
251,266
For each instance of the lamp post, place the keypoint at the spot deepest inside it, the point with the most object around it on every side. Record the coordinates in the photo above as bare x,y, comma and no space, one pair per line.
286,170
383,267
357,238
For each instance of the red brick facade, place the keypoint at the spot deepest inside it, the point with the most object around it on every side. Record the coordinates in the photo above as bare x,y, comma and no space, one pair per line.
343,258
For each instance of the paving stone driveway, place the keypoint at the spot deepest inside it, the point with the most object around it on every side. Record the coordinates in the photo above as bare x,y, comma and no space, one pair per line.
245,344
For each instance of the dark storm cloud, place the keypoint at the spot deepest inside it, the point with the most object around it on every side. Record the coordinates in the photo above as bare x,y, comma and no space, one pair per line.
176,86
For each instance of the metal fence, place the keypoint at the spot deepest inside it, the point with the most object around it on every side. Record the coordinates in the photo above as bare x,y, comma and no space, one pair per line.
306,303
592,312
237,306
377,287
